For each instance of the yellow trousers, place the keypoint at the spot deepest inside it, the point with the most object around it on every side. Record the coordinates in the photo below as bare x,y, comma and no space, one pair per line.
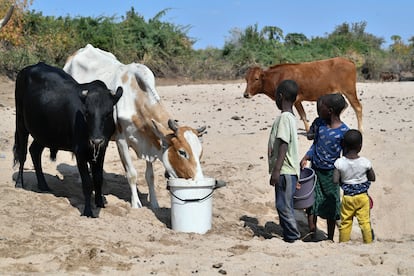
355,206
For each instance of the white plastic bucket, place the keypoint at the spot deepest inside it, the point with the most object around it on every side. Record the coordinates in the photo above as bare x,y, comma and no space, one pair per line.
191,204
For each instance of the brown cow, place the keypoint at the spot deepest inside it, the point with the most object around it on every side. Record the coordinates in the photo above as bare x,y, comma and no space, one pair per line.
335,75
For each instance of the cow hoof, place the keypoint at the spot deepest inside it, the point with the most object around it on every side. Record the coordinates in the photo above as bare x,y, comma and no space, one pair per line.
100,202
88,214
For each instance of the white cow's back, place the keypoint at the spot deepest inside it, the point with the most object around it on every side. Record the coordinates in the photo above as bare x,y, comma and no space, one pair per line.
103,64
90,63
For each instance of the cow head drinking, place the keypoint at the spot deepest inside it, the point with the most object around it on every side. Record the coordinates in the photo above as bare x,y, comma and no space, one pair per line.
182,149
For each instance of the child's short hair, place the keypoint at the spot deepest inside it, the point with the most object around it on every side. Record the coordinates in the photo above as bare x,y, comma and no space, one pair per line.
289,89
352,139
336,102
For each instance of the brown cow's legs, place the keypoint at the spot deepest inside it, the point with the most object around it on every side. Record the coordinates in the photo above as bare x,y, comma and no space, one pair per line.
356,105
302,114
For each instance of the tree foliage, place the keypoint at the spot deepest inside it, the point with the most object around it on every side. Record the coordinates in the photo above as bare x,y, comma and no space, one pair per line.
14,30
168,50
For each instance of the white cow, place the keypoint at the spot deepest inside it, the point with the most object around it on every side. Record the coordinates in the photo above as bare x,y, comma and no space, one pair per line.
141,119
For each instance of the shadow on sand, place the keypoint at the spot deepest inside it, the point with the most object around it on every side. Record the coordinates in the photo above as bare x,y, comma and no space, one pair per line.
68,185
273,230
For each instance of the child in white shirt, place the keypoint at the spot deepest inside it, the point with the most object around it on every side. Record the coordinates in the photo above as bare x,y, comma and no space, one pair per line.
354,174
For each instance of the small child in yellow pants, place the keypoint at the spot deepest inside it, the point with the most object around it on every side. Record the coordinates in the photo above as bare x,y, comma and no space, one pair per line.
354,174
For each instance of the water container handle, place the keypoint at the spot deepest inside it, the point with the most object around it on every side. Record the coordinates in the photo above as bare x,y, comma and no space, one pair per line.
192,199
218,184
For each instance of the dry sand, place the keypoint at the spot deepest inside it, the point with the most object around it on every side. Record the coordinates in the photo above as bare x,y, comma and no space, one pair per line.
43,233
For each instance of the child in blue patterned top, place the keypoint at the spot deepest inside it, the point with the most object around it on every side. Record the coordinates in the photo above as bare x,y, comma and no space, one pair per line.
354,174
327,131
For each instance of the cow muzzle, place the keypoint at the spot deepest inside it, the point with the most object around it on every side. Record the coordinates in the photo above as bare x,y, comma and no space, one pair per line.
246,95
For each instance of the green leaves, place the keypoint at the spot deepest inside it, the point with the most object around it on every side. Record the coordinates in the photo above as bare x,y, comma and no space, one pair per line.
167,49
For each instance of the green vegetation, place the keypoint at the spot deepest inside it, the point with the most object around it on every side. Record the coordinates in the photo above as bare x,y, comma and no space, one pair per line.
168,50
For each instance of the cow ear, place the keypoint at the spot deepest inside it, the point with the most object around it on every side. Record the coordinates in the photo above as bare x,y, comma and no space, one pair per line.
117,95
161,132
172,124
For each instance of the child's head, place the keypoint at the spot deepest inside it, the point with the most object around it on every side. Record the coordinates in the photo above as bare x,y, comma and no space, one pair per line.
288,90
352,141
334,103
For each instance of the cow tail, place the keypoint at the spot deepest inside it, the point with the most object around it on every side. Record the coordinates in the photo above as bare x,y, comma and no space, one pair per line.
16,146
16,149
15,155
21,83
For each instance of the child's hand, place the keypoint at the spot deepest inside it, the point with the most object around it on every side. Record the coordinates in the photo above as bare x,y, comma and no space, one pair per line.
274,179
298,186
303,162
310,135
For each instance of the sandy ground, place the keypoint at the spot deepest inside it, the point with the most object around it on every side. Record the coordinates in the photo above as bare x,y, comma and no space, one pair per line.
43,233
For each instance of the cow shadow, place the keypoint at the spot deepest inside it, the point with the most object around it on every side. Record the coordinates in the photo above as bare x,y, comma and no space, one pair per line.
117,185
67,184
164,216
273,230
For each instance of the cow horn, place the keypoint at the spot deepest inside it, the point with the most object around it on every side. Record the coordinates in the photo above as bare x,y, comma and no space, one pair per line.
6,18
201,130
172,124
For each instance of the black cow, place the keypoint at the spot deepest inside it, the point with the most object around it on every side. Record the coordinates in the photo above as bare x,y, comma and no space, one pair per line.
61,114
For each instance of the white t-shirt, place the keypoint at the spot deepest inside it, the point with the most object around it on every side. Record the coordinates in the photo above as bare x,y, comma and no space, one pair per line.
353,171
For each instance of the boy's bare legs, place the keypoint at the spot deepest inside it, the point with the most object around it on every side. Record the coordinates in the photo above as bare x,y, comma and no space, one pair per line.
312,222
331,228
311,236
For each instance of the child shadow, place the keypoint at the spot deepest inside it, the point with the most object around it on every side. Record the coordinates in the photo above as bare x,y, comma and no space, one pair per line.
268,231
273,230
303,227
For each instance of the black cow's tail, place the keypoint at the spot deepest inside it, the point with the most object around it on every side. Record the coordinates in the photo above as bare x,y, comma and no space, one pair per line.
21,132
15,155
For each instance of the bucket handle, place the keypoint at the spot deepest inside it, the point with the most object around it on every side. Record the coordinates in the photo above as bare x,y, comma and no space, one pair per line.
192,199
308,194
218,184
